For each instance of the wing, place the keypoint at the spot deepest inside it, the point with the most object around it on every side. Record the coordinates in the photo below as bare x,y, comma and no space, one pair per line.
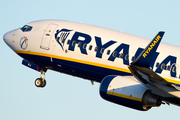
140,68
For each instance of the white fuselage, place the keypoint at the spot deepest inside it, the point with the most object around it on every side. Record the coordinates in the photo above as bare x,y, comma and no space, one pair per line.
42,42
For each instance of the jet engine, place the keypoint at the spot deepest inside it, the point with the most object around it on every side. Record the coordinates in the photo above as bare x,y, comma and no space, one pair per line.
128,92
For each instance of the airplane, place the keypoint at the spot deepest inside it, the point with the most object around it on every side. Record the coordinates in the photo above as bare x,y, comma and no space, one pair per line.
133,71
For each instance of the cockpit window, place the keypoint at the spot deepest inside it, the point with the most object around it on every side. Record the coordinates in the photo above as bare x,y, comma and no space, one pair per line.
26,28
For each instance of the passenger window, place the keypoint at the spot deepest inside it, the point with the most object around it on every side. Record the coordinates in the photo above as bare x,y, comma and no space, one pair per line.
26,28
126,57
73,43
108,52
133,58
63,40
90,47
68,42
168,67
102,50
163,66
79,44
114,54
157,65
121,55
95,48
84,46
174,69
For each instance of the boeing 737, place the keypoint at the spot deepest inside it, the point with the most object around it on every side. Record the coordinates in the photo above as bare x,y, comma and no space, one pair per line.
133,71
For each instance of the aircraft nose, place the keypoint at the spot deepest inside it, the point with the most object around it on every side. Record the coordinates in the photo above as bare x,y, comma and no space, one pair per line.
7,38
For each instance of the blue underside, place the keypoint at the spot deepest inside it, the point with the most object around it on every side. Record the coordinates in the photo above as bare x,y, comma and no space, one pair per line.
73,68
85,71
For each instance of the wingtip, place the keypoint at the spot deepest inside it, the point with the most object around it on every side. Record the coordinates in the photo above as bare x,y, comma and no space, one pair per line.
161,32
146,56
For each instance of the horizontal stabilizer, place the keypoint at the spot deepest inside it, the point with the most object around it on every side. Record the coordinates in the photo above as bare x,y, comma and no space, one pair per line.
146,56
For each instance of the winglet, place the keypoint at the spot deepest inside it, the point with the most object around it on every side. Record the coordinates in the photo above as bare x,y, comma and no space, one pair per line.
146,56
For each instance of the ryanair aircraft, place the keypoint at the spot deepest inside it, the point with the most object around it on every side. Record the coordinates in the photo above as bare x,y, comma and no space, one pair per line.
132,71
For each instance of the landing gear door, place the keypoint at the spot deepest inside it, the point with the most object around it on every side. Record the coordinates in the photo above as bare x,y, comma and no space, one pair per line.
48,34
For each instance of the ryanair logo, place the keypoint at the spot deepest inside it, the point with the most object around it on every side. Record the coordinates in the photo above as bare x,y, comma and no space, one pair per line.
151,46
61,36
82,41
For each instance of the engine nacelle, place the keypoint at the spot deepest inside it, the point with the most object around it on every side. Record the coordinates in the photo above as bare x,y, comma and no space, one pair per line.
128,92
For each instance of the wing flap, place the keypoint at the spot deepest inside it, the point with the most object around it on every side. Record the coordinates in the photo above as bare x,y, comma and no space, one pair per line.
148,76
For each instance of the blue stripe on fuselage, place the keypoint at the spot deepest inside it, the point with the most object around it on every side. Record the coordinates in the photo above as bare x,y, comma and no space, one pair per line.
75,67
86,71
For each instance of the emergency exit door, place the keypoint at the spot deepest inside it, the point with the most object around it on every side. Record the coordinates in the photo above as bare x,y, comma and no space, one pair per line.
47,36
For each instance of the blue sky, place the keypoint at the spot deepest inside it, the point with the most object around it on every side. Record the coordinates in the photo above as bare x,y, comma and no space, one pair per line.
66,97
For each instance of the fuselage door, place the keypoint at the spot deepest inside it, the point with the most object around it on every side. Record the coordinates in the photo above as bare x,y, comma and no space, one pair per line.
48,34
